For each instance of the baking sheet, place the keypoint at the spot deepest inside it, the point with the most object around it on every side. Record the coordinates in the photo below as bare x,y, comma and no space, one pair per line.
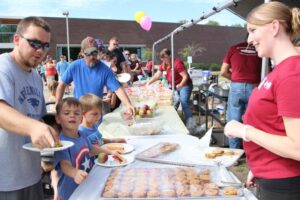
193,156
133,183
98,174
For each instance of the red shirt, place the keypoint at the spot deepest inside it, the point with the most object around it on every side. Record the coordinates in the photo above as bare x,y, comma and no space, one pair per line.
277,96
50,69
178,68
149,65
244,62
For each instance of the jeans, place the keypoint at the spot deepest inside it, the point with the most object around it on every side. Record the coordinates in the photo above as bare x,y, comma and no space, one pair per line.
237,104
34,192
184,99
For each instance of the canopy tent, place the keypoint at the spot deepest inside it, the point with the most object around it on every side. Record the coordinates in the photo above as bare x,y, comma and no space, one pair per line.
245,6
240,8
187,25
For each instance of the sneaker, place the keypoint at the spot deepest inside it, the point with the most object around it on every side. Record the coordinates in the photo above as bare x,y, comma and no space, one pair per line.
190,123
237,163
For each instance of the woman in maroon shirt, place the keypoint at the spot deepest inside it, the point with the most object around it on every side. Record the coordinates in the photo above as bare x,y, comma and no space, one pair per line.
272,120
183,83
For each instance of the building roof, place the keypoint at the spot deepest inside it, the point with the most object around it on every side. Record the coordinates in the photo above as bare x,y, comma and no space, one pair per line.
215,39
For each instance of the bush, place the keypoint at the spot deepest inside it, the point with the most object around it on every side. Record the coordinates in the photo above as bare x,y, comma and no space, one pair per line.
204,66
214,67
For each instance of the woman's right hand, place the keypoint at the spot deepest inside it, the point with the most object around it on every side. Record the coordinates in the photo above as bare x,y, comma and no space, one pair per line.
250,180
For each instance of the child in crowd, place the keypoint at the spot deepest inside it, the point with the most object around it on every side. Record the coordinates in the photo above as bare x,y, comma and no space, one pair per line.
52,90
47,161
74,163
110,59
92,112
52,86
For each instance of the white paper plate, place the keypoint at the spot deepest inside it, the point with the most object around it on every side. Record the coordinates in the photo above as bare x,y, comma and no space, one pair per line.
66,144
127,147
110,161
123,77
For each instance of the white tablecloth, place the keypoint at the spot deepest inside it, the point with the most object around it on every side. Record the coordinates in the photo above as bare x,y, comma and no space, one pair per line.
113,125
92,186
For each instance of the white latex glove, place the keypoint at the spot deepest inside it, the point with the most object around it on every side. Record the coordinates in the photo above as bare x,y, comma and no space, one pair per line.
234,129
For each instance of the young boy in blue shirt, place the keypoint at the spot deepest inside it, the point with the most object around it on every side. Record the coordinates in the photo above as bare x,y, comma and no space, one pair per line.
74,163
92,112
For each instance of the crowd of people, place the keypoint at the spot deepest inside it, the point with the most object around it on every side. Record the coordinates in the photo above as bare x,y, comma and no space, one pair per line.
264,114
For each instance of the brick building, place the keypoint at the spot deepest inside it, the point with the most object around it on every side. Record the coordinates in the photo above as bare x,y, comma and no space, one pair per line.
215,39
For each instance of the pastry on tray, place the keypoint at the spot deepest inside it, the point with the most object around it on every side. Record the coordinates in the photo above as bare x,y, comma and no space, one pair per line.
220,152
161,183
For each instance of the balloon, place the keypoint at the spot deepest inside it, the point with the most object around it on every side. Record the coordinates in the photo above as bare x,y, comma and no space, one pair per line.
138,16
146,23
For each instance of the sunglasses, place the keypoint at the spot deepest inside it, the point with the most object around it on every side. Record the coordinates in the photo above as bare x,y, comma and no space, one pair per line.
93,53
36,44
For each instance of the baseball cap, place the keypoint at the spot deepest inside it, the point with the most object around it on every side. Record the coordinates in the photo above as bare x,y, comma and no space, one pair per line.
89,45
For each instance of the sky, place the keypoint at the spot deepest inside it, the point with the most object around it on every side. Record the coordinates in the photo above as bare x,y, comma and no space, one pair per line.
157,10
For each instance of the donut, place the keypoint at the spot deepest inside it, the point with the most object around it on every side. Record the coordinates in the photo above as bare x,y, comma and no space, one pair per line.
197,192
210,192
138,194
124,193
210,155
205,172
109,194
168,193
230,191
153,193
211,186
195,181
204,178
229,153
218,152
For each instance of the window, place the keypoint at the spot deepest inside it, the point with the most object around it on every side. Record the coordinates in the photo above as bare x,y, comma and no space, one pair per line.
7,32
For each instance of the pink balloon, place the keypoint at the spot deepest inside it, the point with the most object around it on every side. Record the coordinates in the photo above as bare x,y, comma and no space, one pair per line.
146,23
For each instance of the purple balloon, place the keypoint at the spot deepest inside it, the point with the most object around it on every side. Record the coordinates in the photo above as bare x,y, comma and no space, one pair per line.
146,23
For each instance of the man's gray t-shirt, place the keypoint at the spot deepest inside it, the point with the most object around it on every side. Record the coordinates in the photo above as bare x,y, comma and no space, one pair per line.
23,91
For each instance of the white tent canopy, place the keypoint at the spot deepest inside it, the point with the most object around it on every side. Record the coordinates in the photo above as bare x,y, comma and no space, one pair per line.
245,6
240,8
187,25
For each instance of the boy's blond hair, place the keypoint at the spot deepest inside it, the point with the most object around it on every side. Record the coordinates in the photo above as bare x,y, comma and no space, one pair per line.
90,101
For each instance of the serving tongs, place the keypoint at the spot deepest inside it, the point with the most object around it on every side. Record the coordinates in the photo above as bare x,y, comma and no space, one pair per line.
226,180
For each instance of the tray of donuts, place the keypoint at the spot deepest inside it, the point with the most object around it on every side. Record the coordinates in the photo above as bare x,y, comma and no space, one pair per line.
166,183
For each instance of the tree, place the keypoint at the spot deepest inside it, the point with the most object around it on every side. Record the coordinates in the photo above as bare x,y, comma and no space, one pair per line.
183,21
147,54
236,25
213,23
193,49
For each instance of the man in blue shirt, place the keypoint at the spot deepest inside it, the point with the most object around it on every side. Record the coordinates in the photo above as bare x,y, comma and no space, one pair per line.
90,75
62,66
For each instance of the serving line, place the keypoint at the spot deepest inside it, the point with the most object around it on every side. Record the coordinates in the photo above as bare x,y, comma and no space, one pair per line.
113,124
91,188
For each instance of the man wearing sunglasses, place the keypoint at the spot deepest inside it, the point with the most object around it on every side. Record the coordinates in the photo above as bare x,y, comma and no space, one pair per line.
22,104
90,75
113,46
